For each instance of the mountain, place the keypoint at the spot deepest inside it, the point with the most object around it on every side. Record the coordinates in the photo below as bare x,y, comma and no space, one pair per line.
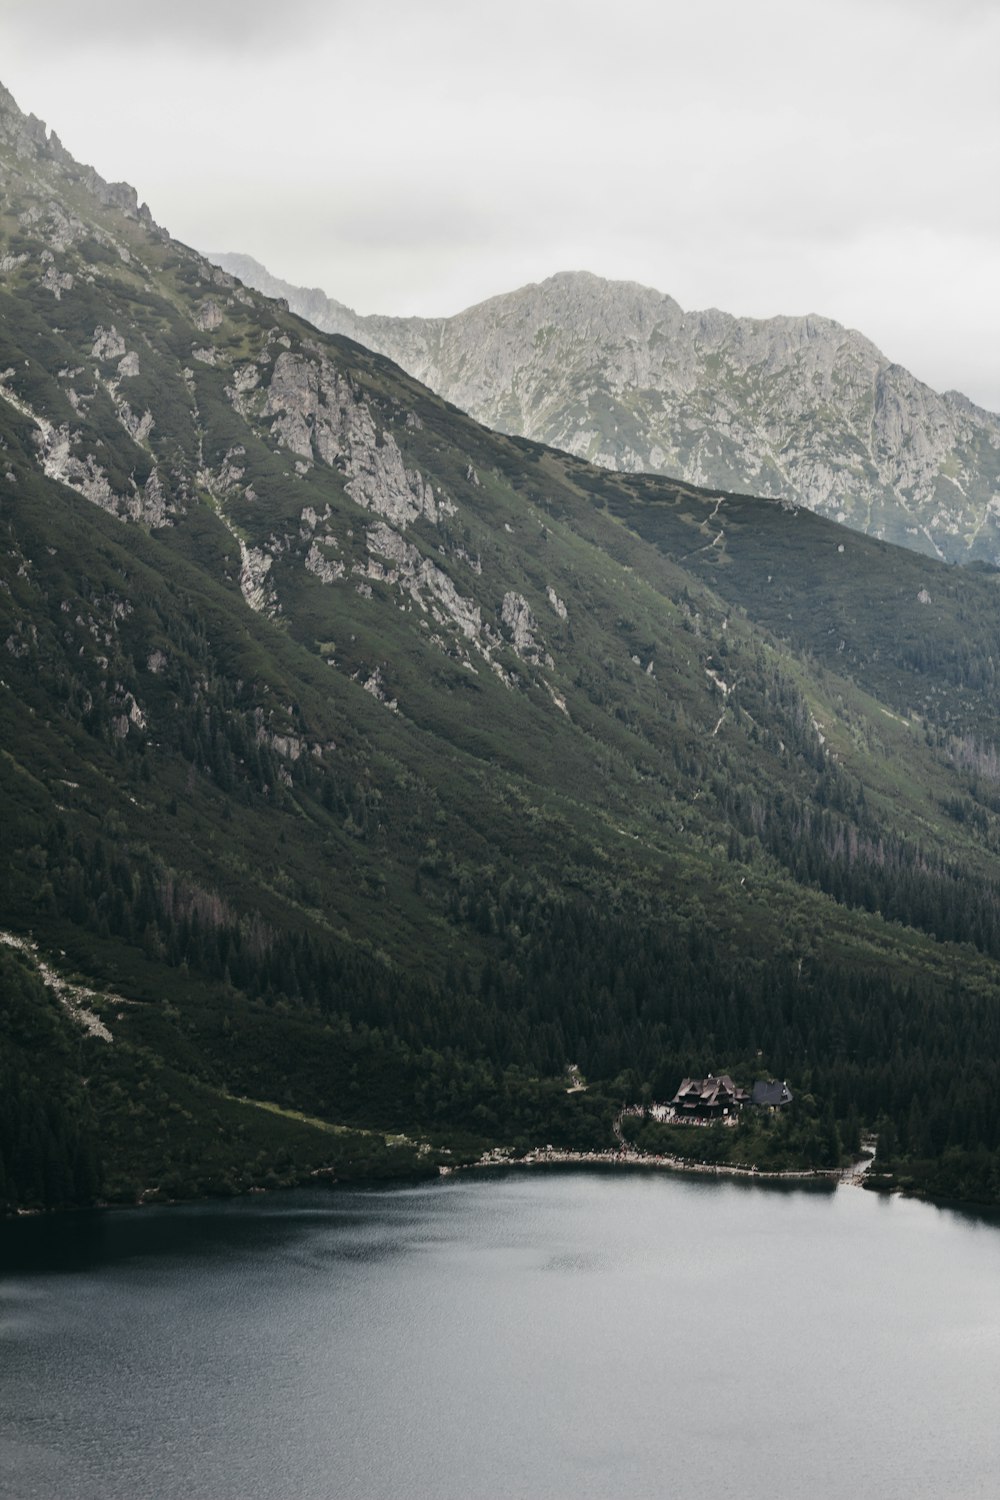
799,409
368,777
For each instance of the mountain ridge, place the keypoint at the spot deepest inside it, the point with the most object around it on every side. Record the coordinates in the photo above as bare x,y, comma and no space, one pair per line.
795,408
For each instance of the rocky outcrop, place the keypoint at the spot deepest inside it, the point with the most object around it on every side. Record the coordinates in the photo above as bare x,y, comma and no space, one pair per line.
517,616
556,602
314,412
31,142
395,561
108,344
209,315
375,685
325,570
59,460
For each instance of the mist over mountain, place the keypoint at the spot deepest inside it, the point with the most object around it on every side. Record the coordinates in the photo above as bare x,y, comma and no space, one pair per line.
370,778
798,408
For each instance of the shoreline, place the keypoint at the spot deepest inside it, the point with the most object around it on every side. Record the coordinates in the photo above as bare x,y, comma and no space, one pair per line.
849,1176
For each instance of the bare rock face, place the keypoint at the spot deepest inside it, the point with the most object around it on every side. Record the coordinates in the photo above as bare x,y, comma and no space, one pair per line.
376,687
394,560
517,615
57,282
255,565
108,344
798,409
316,414
556,602
60,461
209,315
325,570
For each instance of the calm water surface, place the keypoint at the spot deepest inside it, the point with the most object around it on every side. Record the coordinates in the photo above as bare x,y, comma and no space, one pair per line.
545,1334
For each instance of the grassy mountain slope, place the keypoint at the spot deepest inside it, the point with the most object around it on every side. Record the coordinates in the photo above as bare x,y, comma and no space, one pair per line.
372,768
801,409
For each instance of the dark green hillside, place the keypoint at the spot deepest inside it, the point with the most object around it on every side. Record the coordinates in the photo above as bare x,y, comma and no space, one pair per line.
373,769
925,639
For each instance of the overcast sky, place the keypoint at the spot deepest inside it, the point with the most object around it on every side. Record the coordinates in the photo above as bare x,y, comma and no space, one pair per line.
416,156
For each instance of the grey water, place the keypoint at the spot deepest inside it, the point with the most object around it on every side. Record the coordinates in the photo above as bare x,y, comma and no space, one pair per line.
524,1334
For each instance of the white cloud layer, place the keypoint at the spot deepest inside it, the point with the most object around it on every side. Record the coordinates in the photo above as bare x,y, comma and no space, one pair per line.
777,156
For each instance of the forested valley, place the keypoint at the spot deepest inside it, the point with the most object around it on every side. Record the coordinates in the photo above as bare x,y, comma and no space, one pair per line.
368,776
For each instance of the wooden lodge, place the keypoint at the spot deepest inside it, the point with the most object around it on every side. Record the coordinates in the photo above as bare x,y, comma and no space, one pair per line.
709,1098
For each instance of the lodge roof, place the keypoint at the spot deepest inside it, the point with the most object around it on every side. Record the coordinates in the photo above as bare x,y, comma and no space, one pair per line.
771,1093
709,1093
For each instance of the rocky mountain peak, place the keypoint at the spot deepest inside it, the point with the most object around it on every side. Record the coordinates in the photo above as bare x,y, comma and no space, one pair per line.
33,144
799,409
26,133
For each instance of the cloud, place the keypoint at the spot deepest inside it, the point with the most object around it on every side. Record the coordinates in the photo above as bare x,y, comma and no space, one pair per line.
418,156
122,26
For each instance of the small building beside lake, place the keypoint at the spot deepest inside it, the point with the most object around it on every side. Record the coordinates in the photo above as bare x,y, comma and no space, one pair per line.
709,1098
718,1097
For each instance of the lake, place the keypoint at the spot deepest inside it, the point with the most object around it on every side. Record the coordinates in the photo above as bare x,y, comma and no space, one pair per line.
522,1333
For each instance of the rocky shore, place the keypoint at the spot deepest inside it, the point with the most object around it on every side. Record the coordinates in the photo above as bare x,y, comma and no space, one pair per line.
549,1156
